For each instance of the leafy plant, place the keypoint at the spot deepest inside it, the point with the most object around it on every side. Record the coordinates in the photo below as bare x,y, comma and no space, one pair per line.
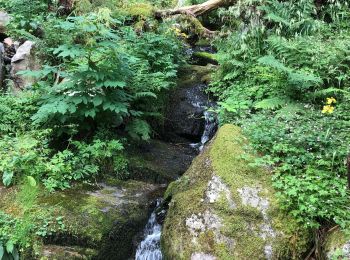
106,75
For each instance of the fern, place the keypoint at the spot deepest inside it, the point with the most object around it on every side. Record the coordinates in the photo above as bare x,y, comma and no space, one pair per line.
272,103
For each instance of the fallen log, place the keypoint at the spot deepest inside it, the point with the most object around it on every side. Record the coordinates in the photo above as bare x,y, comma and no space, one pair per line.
195,10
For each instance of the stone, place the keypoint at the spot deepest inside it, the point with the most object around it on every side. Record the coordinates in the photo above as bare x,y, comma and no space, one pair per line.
24,59
187,103
2,66
159,161
225,208
8,42
4,20
101,220
337,245
67,252
202,256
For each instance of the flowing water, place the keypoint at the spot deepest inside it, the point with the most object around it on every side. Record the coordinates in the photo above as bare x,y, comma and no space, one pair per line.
149,248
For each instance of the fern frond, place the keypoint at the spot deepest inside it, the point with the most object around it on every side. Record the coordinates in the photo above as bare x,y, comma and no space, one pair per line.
272,103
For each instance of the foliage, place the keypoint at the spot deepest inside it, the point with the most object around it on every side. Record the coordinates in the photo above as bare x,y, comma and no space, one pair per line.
15,113
278,72
105,75
26,16
29,155
21,232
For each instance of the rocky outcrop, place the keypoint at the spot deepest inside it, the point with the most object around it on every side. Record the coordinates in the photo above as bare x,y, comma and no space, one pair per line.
101,221
24,59
224,208
337,245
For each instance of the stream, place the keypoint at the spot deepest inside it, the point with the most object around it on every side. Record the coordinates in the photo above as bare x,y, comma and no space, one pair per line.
149,248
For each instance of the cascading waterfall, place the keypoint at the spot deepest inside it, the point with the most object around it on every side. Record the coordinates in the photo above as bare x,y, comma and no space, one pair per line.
211,124
149,248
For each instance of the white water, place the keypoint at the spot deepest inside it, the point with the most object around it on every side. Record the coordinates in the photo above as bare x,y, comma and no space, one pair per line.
149,248
209,130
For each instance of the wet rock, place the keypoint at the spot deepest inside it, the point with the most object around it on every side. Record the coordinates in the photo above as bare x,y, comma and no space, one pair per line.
337,245
224,208
202,256
24,59
158,161
187,103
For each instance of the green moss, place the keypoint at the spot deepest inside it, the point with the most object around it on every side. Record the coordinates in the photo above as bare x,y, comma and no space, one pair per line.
206,57
140,10
228,158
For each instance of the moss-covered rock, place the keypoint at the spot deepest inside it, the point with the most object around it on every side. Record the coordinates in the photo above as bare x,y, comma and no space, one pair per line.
203,58
337,245
100,220
54,252
224,208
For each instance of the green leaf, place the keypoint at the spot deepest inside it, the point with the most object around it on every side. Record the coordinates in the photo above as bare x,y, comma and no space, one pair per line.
7,178
97,100
9,247
2,250
31,181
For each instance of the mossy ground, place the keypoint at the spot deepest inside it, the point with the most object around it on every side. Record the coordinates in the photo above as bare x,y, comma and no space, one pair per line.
228,158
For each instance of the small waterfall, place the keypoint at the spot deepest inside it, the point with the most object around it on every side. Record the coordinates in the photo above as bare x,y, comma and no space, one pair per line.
211,124
149,248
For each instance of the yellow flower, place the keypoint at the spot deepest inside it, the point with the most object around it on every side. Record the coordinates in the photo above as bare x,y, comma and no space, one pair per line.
331,101
328,109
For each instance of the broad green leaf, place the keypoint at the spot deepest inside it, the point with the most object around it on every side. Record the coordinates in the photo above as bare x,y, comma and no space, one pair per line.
31,181
7,178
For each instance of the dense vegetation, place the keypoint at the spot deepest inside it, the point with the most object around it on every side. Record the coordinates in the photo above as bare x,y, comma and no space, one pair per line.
285,79
283,76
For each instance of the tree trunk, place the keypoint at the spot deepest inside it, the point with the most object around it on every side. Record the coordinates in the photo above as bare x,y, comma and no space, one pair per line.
196,10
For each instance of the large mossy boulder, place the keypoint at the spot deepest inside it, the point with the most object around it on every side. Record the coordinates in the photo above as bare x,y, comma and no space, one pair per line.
224,208
102,221
337,245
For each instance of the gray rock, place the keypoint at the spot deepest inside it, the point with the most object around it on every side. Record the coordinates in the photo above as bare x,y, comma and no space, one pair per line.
337,245
24,59
202,256
225,208
4,20
2,65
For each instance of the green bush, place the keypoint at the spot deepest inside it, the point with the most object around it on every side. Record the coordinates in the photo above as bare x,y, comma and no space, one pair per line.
106,76
29,155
